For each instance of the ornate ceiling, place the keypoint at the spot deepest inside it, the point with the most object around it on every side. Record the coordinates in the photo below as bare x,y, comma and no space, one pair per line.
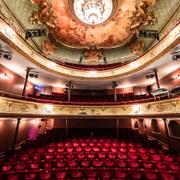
69,24
113,37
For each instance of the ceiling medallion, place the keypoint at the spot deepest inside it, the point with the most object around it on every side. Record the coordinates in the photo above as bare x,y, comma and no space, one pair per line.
93,12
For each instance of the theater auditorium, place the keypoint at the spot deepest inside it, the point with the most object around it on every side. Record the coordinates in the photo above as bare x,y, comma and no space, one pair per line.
89,90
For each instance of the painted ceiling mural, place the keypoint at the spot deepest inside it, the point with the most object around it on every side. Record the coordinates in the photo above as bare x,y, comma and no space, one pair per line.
66,28
113,37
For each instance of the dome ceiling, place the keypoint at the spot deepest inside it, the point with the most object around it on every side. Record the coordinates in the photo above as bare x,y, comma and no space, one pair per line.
108,39
92,24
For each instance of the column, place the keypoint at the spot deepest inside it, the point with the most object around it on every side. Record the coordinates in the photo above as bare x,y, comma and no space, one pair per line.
115,91
167,134
26,80
66,128
117,128
69,91
16,133
157,79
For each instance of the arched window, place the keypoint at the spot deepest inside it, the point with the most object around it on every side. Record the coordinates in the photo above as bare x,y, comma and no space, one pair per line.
174,128
155,126
136,126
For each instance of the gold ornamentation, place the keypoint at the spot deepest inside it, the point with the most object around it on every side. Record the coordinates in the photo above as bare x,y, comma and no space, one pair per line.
93,56
137,47
48,47
44,15
12,107
141,16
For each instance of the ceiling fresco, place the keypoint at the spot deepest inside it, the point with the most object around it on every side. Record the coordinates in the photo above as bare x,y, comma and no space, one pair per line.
116,31
115,38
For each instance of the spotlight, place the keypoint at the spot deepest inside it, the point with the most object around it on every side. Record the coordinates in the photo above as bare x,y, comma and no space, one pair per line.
176,53
148,34
5,54
35,33
34,74
150,75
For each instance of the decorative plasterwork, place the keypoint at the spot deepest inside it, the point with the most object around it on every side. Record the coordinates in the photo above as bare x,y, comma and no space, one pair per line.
125,18
12,107
14,40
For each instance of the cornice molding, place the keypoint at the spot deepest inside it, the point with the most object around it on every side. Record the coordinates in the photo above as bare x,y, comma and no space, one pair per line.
21,108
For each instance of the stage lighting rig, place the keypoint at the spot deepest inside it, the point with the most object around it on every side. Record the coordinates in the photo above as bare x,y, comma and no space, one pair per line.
35,33
148,34
5,54
175,53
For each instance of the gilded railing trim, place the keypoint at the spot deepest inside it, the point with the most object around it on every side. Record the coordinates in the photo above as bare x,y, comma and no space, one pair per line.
11,107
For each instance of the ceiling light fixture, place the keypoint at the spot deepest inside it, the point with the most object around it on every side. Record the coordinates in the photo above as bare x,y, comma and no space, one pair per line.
93,12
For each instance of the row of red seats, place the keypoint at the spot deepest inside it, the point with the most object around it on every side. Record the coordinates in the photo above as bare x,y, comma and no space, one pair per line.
97,163
98,155
92,175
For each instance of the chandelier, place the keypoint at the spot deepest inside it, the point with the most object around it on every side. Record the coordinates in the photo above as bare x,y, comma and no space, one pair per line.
93,12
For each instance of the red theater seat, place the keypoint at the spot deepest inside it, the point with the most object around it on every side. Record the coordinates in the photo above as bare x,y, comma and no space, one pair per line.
45,175
20,167
85,163
109,163
122,164
60,164
61,175
101,155
161,166
30,176
136,175
134,164
97,163
151,176
174,166
167,176
91,174
6,167
80,156
34,165
60,150
147,165
13,177
76,174
120,174
111,156
105,175
122,156
47,165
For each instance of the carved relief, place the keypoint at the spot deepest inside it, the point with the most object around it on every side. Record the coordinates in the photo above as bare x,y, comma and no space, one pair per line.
93,56
48,47
12,106
137,47
141,16
44,15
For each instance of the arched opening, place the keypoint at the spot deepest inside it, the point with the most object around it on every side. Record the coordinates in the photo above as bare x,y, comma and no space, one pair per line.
155,126
136,126
174,128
